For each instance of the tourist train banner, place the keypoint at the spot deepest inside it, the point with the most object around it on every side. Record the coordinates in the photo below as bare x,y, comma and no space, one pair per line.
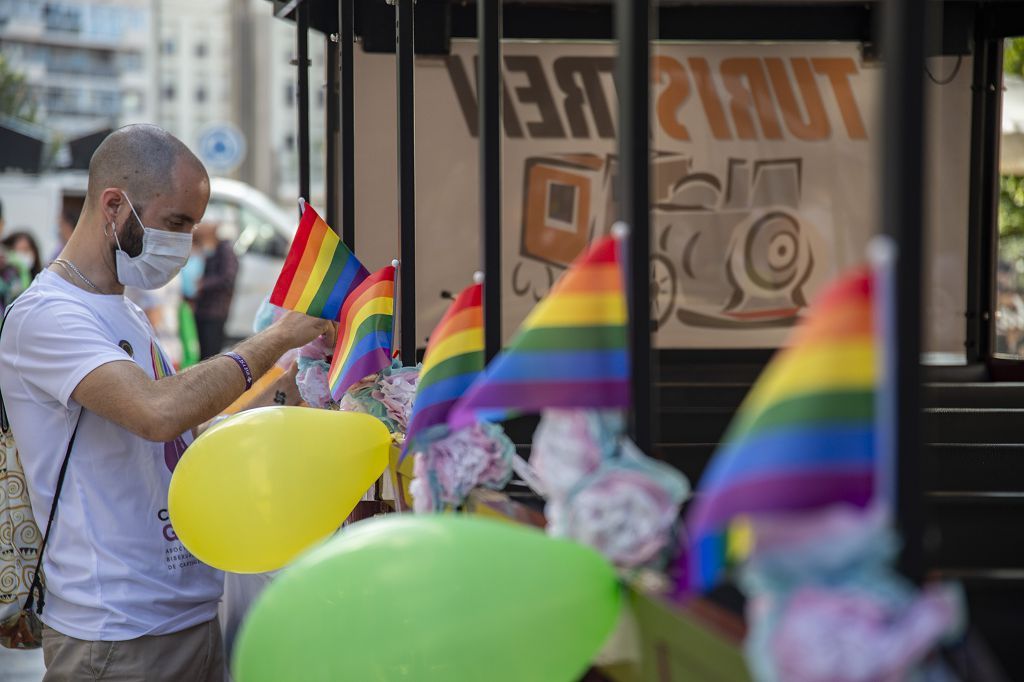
763,176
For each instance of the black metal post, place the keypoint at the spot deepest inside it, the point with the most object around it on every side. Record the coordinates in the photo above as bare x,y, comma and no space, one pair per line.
903,53
406,177
984,195
489,96
302,93
331,131
346,22
632,27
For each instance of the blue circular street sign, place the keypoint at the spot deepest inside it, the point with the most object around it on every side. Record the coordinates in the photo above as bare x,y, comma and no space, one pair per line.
221,147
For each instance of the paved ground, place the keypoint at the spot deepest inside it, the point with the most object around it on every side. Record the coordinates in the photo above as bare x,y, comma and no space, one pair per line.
21,666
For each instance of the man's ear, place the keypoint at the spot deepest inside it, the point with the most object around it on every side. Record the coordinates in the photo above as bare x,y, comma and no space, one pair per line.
111,200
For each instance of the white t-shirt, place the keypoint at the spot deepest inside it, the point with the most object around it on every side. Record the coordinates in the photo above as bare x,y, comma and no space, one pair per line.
114,567
166,301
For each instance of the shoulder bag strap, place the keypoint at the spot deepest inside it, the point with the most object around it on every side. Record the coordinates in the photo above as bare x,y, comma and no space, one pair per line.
37,582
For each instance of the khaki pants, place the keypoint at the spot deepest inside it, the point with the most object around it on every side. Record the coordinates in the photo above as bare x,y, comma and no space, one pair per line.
192,655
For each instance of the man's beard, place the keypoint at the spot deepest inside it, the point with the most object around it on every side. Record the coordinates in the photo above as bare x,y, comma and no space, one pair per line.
131,236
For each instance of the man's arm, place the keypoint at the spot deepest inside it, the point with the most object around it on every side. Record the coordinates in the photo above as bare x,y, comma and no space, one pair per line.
162,410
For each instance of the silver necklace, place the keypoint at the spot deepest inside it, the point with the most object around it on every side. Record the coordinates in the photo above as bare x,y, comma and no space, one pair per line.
68,265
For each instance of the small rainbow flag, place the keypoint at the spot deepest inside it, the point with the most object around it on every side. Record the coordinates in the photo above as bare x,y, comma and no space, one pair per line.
454,359
319,272
365,333
803,439
569,353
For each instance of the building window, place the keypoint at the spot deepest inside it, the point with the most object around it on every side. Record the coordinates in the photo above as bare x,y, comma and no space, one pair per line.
289,142
168,92
61,18
132,102
168,46
289,95
200,50
131,61
106,103
200,94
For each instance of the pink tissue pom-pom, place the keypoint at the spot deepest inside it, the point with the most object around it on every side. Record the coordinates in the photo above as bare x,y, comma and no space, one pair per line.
569,445
311,381
352,400
451,467
396,392
422,488
285,361
835,635
351,404
602,491
317,349
624,513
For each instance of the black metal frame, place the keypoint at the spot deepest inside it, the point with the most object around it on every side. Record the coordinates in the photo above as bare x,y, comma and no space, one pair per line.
489,87
404,18
302,93
346,36
556,21
633,25
902,180
984,182
332,68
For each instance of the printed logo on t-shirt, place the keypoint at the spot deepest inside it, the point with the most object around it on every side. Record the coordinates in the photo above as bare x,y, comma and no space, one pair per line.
175,449
126,347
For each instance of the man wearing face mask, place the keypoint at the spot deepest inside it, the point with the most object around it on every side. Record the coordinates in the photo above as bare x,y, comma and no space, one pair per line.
81,372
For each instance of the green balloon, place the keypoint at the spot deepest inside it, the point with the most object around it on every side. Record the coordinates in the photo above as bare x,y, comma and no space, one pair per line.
432,599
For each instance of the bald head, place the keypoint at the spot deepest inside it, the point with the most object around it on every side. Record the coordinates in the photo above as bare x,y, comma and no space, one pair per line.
143,160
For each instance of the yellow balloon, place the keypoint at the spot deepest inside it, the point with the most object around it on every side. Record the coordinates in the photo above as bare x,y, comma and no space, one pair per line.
261,487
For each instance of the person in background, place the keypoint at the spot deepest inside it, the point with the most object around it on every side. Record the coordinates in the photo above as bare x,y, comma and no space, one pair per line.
188,335
216,288
21,246
192,273
14,276
65,228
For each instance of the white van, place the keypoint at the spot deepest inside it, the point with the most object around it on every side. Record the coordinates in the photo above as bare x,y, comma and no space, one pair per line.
262,232
260,229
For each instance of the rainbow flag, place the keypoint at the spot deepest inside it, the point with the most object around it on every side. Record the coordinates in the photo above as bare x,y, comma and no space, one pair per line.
319,272
803,439
454,359
366,332
569,353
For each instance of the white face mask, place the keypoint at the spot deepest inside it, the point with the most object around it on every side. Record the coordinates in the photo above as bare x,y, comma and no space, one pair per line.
163,255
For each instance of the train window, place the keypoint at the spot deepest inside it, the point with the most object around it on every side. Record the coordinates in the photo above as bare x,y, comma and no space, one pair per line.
1009,316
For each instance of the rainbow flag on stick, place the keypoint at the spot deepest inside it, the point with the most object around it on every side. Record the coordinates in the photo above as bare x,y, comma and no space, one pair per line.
454,359
319,272
569,353
804,438
365,333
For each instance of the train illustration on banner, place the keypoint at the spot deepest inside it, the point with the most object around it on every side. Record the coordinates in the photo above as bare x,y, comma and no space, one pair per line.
727,252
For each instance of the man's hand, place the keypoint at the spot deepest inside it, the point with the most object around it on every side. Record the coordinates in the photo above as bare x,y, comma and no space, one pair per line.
299,329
